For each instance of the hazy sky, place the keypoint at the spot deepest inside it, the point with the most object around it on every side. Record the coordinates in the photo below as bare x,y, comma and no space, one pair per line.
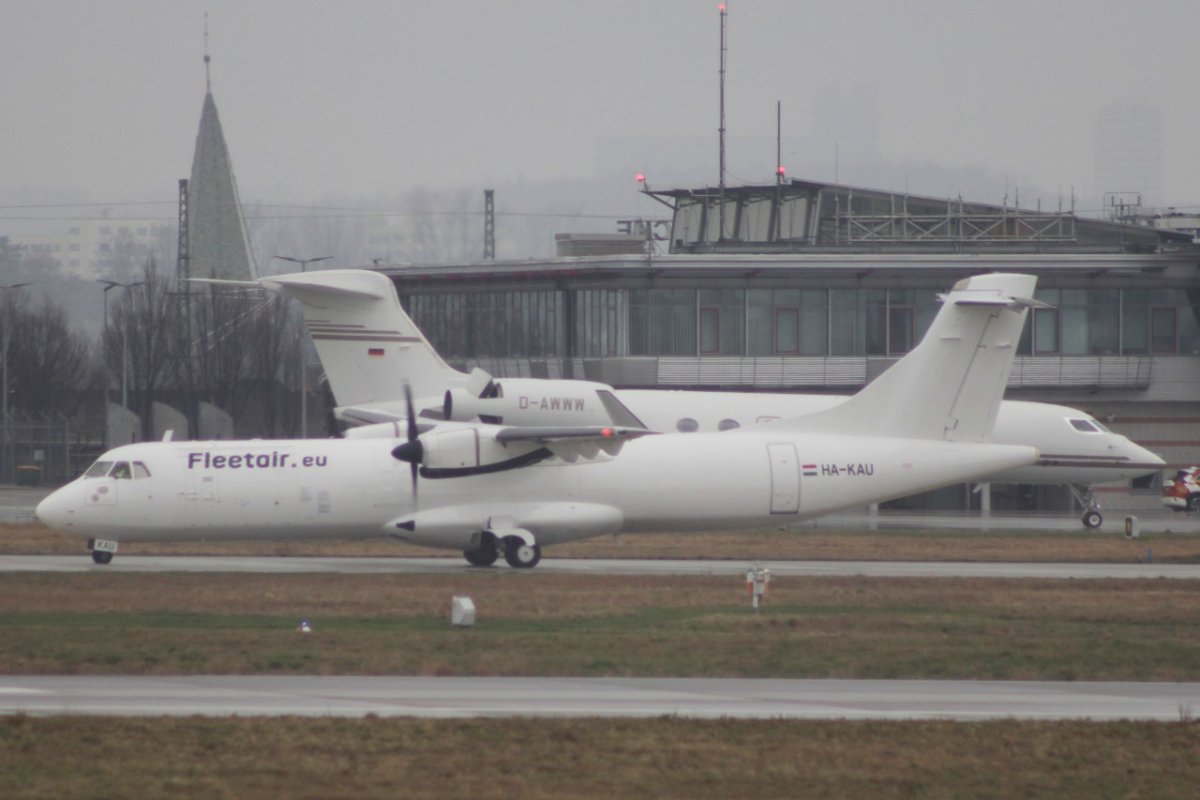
101,98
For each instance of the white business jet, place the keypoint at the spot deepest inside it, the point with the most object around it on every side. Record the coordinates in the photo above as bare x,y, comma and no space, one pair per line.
492,490
371,349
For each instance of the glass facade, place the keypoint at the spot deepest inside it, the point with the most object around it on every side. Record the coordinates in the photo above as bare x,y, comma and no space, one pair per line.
611,322
1100,322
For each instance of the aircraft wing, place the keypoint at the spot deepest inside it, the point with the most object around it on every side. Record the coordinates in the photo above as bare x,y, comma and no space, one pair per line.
571,443
368,416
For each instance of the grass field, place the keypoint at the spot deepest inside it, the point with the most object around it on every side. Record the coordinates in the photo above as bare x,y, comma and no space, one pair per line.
660,758
537,623
532,623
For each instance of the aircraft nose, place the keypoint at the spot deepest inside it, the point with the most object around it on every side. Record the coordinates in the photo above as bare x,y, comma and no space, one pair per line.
56,510
1142,457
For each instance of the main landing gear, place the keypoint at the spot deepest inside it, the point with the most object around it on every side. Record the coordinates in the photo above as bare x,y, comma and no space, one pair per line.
1091,517
519,553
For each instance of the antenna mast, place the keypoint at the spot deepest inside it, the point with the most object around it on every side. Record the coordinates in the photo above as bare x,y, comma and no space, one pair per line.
207,57
721,132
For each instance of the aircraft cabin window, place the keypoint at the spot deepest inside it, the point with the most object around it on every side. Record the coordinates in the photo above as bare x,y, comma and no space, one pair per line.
728,424
687,425
140,470
1084,426
98,470
121,470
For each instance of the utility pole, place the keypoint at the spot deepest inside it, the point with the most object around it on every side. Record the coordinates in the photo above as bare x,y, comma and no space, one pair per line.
110,284
721,135
489,224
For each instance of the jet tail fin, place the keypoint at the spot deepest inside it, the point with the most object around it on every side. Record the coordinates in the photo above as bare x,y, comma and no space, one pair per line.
949,386
367,344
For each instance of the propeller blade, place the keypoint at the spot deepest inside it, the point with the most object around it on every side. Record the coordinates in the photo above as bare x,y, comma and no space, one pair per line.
413,445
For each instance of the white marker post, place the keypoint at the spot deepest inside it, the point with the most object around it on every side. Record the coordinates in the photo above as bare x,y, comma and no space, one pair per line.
757,580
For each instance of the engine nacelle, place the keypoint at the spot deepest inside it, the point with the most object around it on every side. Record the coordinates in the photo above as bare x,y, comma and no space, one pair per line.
531,401
472,450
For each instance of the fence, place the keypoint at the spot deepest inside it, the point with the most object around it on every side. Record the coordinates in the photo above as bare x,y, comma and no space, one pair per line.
43,451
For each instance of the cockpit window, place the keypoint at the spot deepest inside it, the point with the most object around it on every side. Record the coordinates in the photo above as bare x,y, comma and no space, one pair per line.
98,470
121,470
1085,425
140,470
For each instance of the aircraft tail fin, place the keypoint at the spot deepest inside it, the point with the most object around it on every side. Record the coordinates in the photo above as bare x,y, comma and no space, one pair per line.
367,344
949,386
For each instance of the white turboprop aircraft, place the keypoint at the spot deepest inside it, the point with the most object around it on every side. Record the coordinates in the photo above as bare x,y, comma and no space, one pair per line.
491,489
371,349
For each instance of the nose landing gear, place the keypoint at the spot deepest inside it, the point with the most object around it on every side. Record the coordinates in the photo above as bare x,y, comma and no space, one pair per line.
1091,518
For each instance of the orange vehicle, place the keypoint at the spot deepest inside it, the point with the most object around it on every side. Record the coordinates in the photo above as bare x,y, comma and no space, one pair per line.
1182,493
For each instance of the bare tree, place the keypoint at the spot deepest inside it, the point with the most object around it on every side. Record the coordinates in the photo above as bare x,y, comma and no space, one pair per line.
48,363
138,341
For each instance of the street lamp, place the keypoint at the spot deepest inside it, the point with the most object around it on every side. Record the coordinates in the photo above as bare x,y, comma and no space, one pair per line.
111,284
4,384
303,262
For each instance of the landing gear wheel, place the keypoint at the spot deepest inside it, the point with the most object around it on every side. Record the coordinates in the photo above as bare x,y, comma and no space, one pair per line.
101,556
483,556
522,556
1092,518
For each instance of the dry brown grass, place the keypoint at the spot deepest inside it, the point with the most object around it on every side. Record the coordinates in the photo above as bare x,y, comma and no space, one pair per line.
803,544
546,624
661,758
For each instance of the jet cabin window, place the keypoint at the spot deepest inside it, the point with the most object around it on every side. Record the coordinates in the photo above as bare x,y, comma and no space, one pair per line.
1085,426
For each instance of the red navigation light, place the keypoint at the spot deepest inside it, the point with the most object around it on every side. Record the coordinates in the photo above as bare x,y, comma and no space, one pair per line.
606,433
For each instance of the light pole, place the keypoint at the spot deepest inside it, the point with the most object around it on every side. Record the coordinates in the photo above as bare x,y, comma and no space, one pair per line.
303,262
110,284
4,384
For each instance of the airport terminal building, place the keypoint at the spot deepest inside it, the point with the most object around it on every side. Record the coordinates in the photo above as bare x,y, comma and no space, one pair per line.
816,287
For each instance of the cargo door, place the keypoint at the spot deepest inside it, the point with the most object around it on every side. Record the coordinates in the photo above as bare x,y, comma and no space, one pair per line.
785,478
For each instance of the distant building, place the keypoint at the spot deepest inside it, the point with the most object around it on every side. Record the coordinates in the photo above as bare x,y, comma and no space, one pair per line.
82,247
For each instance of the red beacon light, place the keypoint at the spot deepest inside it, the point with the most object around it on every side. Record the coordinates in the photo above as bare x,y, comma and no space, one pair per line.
606,433
640,178
721,7
781,170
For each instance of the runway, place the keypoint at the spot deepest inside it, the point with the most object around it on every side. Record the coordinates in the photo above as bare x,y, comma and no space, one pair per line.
601,697
600,566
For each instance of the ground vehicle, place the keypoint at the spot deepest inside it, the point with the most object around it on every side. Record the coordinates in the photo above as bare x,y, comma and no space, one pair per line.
1182,492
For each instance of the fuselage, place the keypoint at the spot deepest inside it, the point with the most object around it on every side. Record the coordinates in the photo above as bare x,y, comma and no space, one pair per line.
1075,447
356,488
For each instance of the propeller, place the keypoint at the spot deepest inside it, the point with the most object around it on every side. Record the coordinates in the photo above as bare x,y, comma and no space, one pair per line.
411,450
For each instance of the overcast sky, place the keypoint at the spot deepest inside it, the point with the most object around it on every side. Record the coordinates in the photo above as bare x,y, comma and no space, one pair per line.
101,98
